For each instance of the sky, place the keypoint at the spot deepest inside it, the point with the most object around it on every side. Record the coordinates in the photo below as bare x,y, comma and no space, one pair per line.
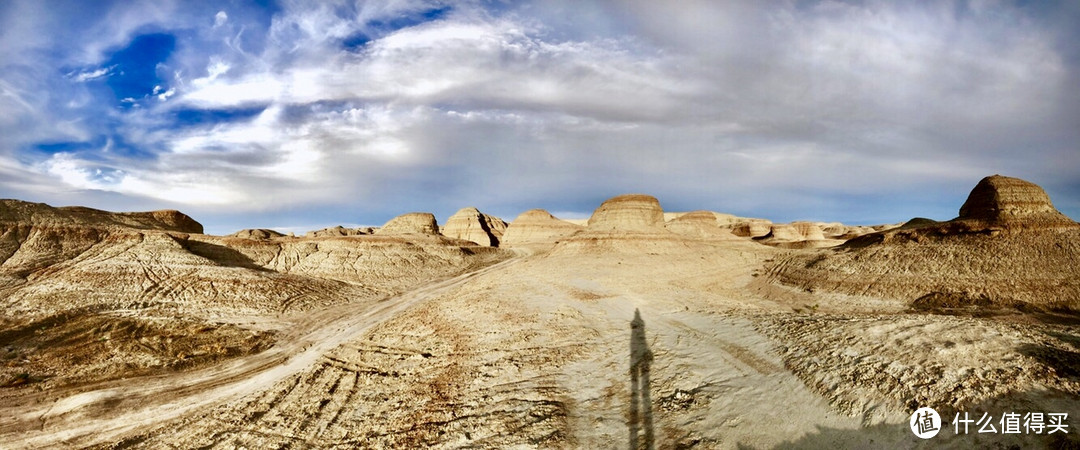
297,115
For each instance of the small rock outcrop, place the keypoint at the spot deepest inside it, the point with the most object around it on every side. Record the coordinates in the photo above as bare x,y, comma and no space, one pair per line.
339,231
416,222
257,233
752,228
631,212
810,231
472,225
536,226
699,224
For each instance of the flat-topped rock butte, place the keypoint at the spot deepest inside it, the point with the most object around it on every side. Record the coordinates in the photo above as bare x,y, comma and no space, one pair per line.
645,328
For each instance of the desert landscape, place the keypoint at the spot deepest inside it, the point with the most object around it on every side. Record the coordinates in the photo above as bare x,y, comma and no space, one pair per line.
638,328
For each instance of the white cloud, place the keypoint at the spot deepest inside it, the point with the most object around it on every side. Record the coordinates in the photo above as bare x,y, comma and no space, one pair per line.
720,103
83,77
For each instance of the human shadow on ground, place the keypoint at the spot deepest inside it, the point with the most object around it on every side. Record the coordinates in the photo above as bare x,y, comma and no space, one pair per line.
641,418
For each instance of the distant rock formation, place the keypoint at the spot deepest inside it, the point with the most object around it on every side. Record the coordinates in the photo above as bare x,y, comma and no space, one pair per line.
1008,247
416,222
700,224
536,226
753,228
340,231
809,231
997,205
631,212
257,233
41,214
472,225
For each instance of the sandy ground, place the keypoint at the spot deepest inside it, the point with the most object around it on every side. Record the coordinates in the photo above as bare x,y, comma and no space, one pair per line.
679,346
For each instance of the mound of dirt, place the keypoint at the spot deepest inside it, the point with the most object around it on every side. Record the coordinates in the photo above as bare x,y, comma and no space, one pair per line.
472,225
416,222
537,226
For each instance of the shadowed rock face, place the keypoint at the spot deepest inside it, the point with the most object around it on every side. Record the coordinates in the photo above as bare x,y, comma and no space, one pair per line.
537,225
1011,202
631,212
417,222
472,225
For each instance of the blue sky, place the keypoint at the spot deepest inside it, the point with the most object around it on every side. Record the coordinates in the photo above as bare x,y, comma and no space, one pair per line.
298,115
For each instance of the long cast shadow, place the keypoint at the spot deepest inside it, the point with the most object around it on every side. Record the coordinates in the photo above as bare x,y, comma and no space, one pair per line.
641,419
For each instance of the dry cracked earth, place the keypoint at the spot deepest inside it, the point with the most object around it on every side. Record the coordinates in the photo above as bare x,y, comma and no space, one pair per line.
138,331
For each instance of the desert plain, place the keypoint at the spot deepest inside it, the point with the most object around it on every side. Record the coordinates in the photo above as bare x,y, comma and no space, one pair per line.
638,328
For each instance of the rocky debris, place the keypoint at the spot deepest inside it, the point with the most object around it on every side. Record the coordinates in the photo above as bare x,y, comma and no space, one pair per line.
40,214
257,233
340,231
630,212
416,222
537,226
472,225
752,228
699,224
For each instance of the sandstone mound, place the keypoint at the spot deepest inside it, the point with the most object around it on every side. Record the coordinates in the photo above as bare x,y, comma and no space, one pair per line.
809,231
257,233
537,226
340,231
417,222
27,213
472,225
699,224
1009,247
752,228
631,212
1007,202
997,205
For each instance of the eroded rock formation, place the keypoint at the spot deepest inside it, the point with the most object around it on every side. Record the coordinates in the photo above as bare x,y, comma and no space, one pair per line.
537,226
472,225
416,222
